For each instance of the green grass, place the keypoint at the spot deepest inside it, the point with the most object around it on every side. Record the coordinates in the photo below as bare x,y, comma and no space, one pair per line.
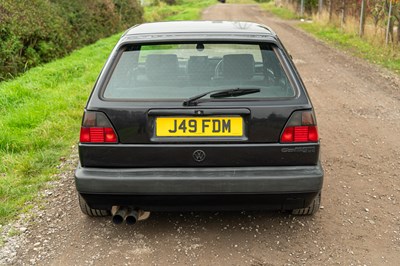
41,112
388,57
39,119
281,12
184,10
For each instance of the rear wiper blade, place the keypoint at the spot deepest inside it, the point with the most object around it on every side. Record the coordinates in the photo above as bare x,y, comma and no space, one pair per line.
233,93
220,94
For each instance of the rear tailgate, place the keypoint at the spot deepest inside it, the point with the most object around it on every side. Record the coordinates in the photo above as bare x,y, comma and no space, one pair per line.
142,145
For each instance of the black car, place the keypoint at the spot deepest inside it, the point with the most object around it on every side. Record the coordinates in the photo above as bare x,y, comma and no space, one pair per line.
198,115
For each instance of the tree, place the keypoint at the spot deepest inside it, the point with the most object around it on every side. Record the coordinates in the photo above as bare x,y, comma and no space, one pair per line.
389,29
396,16
377,10
362,18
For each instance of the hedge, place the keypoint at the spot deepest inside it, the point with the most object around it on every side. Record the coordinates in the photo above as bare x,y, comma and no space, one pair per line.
37,31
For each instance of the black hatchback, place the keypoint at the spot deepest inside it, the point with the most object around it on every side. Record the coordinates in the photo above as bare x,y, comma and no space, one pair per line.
199,115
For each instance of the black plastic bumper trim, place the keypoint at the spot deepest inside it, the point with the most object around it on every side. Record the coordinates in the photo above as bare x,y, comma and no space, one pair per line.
224,180
228,202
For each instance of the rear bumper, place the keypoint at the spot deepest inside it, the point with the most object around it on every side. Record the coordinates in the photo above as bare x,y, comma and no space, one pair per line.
200,188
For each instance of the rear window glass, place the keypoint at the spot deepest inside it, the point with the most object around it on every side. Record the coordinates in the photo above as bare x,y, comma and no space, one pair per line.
180,71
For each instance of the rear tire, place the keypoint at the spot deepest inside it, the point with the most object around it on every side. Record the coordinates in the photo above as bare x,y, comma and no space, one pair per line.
91,212
310,210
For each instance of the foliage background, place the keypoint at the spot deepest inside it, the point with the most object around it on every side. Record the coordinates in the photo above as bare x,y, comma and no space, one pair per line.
383,16
37,31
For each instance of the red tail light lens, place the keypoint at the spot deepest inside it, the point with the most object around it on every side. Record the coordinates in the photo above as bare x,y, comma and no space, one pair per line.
313,134
288,135
300,134
301,127
109,135
96,128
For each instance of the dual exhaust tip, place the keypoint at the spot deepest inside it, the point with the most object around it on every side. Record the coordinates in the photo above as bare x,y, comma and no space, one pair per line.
127,214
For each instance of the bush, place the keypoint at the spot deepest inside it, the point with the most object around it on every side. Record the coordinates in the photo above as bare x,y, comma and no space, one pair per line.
170,2
37,31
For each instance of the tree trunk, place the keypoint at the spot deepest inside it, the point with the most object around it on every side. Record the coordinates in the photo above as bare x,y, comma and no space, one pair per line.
330,9
343,20
396,16
389,30
320,6
362,18
398,31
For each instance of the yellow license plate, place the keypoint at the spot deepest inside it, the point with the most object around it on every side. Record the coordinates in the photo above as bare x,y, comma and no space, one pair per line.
199,126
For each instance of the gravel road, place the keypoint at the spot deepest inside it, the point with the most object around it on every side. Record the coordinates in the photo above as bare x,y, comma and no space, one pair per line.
358,109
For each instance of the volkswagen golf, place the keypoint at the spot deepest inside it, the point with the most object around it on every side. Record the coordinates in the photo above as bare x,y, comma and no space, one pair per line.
198,115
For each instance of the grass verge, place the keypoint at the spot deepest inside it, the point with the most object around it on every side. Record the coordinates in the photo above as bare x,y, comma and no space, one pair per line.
281,12
377,53
40,114
40,118
183,10
388,57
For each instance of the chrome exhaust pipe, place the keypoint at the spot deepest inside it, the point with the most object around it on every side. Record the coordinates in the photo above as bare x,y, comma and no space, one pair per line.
128,214
119,215
131,216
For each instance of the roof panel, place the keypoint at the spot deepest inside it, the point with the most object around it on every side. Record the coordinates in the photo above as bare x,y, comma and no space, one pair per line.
179,27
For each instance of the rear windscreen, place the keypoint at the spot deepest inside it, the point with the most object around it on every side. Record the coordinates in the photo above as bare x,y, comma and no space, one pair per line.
180,71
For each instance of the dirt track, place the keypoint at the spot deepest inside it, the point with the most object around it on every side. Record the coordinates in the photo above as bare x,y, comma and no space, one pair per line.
358,109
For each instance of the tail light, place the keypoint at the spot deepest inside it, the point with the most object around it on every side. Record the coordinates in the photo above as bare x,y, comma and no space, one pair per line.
96,128
301,127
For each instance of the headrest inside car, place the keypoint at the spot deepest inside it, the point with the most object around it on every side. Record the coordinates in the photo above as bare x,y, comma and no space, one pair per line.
162,66
238,66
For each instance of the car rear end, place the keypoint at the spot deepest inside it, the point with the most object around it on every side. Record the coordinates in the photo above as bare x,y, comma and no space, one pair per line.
199,122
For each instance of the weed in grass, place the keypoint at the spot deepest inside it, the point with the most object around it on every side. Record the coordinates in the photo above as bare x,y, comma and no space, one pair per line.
12,232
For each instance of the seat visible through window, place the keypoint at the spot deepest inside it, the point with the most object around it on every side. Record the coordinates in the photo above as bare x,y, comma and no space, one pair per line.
162,67
237,66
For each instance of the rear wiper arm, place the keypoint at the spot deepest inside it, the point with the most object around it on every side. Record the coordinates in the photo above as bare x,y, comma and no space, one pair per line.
219,94
233,93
